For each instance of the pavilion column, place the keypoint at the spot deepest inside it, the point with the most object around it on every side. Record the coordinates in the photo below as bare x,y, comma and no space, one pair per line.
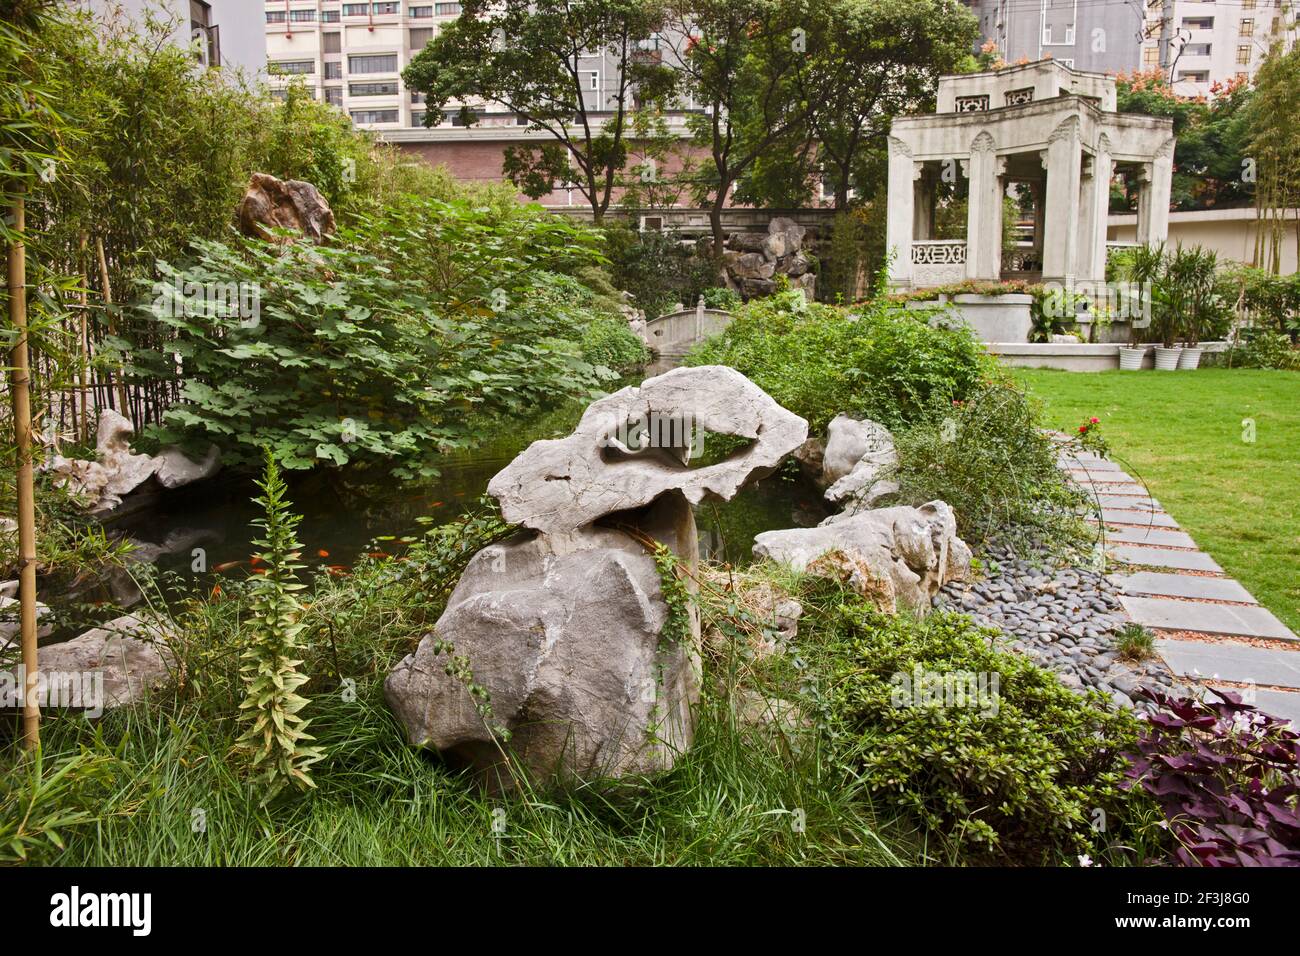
901,213
1095,199
984,210
1061,228
923,207
1153,201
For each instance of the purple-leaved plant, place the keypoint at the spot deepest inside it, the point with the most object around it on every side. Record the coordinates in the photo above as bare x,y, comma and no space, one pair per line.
1227,778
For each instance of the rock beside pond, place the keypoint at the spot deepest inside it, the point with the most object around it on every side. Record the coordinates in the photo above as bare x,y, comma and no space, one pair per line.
115,665
10,624
636,445
271,203
897,556
566,634
117,471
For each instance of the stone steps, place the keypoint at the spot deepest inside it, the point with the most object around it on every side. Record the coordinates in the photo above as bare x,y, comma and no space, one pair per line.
1139,531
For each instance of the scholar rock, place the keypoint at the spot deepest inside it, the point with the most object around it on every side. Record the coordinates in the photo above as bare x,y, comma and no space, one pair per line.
271,203
897,556
858,456
563,484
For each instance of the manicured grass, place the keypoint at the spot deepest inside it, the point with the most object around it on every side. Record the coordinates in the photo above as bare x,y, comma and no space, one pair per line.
1186,434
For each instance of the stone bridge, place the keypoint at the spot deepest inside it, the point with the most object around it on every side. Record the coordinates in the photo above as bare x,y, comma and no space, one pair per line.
672,335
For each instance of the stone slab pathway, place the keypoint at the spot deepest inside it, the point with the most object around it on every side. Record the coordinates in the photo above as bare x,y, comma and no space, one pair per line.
1212,631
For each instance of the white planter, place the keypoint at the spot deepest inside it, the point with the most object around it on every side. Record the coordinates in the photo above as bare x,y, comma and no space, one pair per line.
1130,360
1190,357
1167,359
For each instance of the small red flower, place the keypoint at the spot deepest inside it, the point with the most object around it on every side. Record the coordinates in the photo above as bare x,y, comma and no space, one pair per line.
1083,429
1094,421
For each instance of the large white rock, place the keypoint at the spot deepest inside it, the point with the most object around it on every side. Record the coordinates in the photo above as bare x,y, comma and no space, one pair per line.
126,659
565,633
901,556
859,455
562,484
117,471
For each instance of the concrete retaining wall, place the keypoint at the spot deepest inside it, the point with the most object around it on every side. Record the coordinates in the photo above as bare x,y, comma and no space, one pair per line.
1080,357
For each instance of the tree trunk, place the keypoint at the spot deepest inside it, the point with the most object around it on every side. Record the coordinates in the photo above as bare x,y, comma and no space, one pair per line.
86,432
715,221
20,379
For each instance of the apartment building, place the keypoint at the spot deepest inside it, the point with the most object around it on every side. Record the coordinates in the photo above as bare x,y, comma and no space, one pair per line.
1101,36
224,33
1201,44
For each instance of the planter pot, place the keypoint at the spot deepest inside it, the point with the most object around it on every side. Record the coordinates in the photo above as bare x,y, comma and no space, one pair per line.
1131,359
1190,357
1167,359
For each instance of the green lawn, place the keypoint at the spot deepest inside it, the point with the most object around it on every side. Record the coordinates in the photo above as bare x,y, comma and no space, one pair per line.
1185,434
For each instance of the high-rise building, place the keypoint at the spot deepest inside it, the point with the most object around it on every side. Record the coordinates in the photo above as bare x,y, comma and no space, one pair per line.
1201,44
223,33
1101,36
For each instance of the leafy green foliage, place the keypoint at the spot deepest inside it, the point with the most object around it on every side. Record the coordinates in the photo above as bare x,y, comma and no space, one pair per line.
276,737
407,338
41,800
1016,774
520,57
608,342
656,268
987,458
1212,138
878,361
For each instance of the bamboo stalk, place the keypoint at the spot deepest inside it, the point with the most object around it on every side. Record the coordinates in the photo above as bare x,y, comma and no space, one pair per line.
83,345
107,288
20,374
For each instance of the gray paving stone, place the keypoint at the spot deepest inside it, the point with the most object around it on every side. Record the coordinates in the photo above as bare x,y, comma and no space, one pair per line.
1185,585
1279,703
1252,621
1102,477
1140,502
1089,464
1165,536
1153,519
1163,558
1234,662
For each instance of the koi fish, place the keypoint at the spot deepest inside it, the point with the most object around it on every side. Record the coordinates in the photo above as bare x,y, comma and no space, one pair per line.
322,553
227,566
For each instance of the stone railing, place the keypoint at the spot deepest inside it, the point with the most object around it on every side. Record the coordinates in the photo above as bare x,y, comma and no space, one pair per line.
938,262
1022,260
1114,247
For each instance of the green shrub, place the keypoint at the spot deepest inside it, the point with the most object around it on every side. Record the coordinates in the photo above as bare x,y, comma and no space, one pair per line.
1023,772
657,268
608,342
408,337
988,458
878,361
1267,349
720,297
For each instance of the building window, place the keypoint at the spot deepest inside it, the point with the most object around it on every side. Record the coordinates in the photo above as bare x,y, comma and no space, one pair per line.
447,9
1248,4
275,16
593,79
302,16
420,37
375,63
417,96
1198,49
291,67
1198,23
1243,55
204,33
1151,56
385,8
334,95
356,9
417,119
332,42
419,13
459,118
385,88
1248,28
374,116
1194,76
333,70
329,16
280,95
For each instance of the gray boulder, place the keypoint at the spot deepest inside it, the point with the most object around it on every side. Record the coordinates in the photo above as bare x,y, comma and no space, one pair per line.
175,469
271,203
10,624
111,666
751,265
859,454
566,634
899,556
563,484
